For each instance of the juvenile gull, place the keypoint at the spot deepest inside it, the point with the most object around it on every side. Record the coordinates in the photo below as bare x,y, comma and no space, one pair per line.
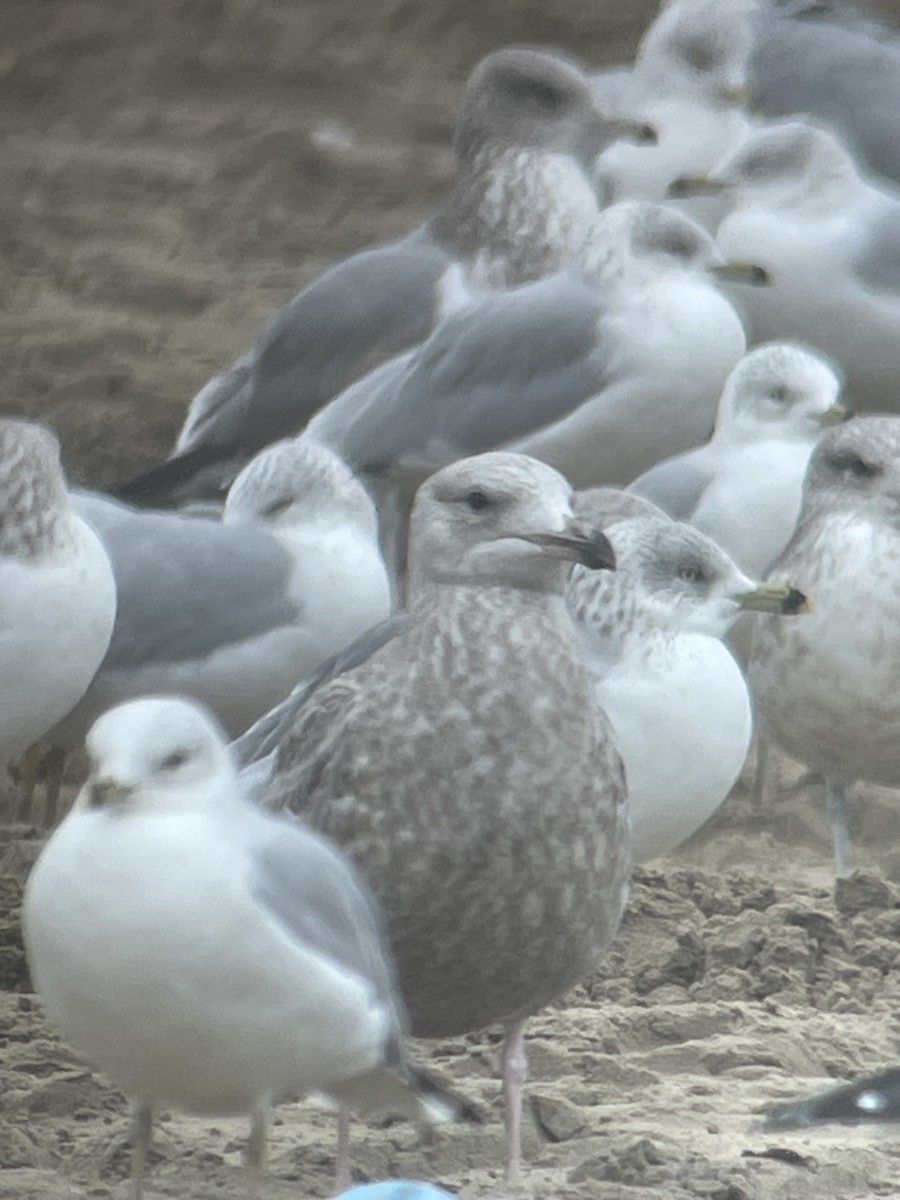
690,82
527,131
743,488
202,952
465,769
651,638
57,592
832,241
826,687
600,370
235,614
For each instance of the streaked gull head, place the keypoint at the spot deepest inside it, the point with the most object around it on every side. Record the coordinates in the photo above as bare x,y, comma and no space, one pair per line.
295,481
855,469
780,389
526,98
161,753
503,519
34,505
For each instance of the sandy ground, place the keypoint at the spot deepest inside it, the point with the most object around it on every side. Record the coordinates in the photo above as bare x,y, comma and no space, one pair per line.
170,174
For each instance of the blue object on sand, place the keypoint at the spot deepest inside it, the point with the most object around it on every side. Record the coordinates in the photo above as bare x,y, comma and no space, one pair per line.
396,1189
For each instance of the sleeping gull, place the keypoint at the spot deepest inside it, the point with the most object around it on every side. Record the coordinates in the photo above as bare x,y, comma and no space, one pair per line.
235,614
57,592
600,370
204,953
465,769
832,240
826,687
743,488
528,129
689,82
678,703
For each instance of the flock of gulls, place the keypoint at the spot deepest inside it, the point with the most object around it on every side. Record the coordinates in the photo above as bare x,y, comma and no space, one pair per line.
378,710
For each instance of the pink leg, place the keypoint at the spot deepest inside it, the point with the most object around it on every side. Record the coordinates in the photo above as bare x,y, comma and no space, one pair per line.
515,1072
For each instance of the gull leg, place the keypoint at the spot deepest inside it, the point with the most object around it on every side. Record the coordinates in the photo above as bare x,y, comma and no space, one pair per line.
342,1166
761,778
515,1072
54,766
257,1145
836,807
141,1131
26,771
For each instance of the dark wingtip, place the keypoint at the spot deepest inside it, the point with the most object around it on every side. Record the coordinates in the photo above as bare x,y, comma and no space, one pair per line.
157,487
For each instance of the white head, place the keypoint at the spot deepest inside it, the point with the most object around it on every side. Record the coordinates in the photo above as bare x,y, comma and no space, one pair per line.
299,482
654,240
158,754
698,49
502,519
785,162
780,390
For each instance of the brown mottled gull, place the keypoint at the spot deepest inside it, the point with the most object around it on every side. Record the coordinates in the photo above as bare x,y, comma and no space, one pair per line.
465,769
826,687
527,132
57,593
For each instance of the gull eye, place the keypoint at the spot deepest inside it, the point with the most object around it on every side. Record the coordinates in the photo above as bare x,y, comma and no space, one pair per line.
691,574
536,94
779,394
278,506
852,464
174,760
477,500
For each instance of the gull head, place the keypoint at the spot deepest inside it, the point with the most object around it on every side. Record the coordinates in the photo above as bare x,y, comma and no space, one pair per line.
525,98
781,390
788,163
500,519
298,481
157,754
686,582
855,469
699,50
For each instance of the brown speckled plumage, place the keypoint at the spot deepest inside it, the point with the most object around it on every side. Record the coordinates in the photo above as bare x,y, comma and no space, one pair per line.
34,507
465,770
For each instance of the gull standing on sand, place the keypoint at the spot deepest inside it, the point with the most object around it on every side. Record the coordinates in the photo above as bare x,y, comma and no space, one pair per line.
527,132
830,237
204,953
651,637
465,769
826,687
57,592
600,370
236,613
743,488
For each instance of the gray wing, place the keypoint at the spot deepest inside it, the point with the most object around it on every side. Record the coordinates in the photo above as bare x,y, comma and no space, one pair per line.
878,265
677,484
323,902
359,312
841,67
187,586
260,742
223,392
508,365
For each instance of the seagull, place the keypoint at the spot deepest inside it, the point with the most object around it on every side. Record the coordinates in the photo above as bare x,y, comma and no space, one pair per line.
204,953
743,488
826,687
527,131
679,705
57,591
465,769
830,237
599,370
